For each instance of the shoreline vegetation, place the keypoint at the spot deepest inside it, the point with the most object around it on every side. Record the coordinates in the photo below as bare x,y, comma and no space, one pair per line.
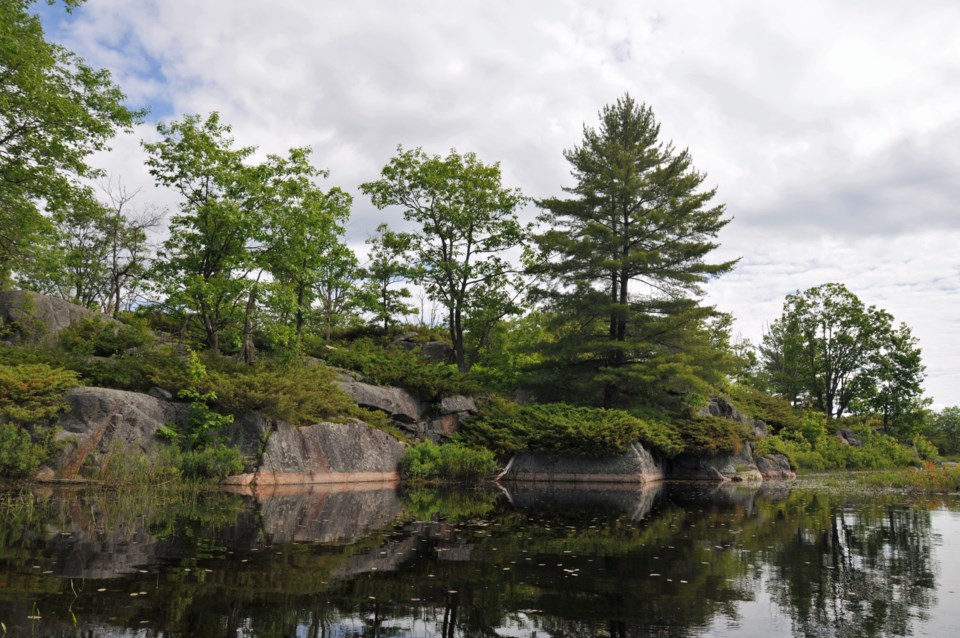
578,331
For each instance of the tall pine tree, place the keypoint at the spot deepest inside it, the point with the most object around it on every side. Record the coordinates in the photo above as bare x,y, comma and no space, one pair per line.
623,260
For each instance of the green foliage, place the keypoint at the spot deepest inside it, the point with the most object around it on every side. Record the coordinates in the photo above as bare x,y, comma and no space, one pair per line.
467,220
212,461
293,392
387,266
32,396
772,410
395,366
98,337
622,262
20,456
712,435
813,448
507,427
54,112
830,350
454,462
945,429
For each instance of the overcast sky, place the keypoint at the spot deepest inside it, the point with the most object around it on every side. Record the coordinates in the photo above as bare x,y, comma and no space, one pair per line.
831,129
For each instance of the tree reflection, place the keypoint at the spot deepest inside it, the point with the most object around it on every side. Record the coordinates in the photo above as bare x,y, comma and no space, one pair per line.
864,570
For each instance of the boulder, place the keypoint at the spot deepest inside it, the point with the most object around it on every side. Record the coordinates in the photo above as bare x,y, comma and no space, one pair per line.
637,465
38,317
397,402
325,453
405,341
848,437
437,351
441,427
725,466
457,404
99,418
775,467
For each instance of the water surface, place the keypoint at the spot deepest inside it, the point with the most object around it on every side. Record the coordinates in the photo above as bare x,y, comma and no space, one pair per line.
671,560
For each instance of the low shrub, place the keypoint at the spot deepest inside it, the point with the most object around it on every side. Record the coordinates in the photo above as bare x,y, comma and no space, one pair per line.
712,435
455,462
20,456
927,479
100,337
32,397
774,411
389,365
213,461
507,427
290,391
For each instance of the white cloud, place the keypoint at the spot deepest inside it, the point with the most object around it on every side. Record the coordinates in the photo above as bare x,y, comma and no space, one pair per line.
831,129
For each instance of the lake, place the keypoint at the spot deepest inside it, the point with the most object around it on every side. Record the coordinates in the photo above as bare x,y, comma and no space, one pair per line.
668,560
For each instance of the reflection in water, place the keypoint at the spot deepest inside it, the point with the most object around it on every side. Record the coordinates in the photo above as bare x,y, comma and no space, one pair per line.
665,560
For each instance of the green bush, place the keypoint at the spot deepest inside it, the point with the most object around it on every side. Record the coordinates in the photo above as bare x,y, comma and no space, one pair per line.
827,452
453,462
32,396
296,393
712,435
20,456
215,461
101,337
774,411
507,427
389,365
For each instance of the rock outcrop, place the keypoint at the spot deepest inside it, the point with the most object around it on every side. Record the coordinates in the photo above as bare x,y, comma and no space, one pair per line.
99,419
36,317
397,402
324,453
637,465
775,467
849,437
719,407
735,466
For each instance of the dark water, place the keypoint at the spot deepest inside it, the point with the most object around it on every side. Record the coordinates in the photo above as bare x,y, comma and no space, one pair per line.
675,560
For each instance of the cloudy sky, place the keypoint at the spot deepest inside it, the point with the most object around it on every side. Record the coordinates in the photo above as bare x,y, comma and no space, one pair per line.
832,129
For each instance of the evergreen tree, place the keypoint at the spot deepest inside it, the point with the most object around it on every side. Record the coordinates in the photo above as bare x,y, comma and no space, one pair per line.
624,257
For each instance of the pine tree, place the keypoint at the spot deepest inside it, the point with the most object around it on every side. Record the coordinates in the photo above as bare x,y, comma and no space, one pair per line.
624,257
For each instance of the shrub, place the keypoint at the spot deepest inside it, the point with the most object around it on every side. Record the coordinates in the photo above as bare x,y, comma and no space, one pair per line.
453,462
20,456
295,393
216,461
507,427
712,435
395,366
772,410
32,396
104,338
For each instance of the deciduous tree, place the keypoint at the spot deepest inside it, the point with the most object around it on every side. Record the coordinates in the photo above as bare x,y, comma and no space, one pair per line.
55,111
466,221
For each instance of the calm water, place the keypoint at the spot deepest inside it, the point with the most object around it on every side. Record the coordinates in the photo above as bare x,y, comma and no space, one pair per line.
675,560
